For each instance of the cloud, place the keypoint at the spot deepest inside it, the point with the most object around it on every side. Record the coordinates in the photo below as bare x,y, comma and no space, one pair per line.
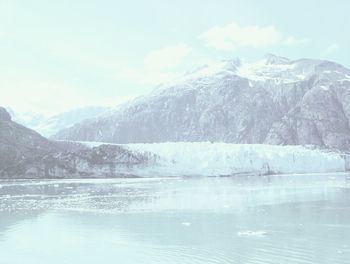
48,97
166,58
291,40
233,36
148,77
158,66
331,49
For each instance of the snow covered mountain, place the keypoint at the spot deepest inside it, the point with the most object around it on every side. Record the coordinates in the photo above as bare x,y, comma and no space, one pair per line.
48,126
274,101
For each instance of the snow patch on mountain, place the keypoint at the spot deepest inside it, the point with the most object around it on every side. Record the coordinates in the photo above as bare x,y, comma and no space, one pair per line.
263,71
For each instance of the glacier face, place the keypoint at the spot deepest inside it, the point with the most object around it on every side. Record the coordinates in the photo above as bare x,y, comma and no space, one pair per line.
215,159
274,101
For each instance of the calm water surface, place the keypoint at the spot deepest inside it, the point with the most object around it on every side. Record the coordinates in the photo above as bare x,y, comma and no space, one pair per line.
275,219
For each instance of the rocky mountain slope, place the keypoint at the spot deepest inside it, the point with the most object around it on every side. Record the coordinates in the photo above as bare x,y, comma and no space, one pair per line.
18,143
26,154
274,101
105,161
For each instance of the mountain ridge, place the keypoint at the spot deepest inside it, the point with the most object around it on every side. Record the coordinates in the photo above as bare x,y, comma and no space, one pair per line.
26,154
48,126
274,101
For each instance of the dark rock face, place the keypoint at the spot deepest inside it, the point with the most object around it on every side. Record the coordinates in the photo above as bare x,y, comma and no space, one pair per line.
320,119
26,154
18,143
100,162
4,115
275,101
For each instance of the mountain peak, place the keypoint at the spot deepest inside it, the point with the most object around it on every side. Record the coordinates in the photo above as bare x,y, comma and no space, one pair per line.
4,115
275,59
273,100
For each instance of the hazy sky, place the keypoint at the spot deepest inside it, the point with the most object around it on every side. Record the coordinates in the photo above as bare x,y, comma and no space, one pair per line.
58,55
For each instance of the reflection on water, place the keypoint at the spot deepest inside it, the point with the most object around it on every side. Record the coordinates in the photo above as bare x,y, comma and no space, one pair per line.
270,219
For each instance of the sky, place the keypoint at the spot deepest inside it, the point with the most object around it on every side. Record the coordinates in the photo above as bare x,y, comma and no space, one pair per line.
59,55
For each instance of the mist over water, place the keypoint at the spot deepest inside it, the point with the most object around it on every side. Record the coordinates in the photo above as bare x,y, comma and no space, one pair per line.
242,219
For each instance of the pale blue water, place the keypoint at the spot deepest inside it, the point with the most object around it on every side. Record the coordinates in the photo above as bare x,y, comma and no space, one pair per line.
276,219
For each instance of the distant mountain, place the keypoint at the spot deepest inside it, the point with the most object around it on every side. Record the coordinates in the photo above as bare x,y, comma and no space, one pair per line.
274,100
19,144
26,154
48,126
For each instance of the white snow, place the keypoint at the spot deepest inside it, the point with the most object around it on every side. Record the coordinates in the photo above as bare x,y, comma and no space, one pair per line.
214,159
271,68
205,74
206,70
325,88
347,78
250,233
262,71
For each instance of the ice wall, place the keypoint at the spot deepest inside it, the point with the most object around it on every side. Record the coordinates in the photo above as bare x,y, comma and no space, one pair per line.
212,159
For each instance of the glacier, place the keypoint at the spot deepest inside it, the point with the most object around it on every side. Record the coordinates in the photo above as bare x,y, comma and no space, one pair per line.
223,159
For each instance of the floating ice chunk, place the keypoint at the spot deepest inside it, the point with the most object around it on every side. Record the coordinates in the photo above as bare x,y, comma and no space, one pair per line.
250,233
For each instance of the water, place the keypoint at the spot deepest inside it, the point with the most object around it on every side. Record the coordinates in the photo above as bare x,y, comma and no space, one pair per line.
272,219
